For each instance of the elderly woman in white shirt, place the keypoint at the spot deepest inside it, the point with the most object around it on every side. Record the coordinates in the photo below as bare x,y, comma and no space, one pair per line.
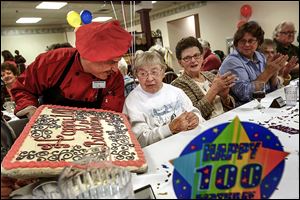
157,110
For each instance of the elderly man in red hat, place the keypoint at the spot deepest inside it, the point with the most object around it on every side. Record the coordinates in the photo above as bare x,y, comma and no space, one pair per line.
85,76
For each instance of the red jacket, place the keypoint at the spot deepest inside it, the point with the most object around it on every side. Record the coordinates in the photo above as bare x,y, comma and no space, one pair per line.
210,62
45,71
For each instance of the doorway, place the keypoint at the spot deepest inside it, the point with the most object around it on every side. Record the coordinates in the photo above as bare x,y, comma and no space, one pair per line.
179,28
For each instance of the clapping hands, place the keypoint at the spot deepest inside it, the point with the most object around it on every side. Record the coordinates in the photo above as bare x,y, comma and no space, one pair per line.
291,64
223,83
276,63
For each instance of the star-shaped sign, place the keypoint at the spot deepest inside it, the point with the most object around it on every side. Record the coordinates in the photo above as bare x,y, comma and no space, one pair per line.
233,162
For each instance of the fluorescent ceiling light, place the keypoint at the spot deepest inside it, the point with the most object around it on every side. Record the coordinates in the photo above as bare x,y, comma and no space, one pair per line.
51,5
101,19
153,1
28,20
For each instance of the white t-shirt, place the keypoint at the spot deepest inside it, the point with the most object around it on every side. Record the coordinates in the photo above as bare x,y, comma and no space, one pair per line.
150,114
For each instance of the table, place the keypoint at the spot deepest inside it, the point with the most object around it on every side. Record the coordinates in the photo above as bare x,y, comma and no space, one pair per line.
158,155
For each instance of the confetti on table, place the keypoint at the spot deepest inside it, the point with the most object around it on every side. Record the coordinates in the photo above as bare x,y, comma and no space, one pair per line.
163,193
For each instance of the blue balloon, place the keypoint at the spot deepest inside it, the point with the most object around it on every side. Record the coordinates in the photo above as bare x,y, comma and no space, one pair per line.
86,16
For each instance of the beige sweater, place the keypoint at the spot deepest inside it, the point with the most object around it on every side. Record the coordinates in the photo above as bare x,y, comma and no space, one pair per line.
192,90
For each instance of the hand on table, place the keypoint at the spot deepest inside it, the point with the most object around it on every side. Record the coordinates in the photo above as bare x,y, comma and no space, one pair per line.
28,111
184,122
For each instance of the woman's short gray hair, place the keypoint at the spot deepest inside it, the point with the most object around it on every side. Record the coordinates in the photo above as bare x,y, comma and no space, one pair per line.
279,27
160,49
204,43
148,58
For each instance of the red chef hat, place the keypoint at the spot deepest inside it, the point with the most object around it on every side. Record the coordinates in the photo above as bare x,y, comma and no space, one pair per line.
102,41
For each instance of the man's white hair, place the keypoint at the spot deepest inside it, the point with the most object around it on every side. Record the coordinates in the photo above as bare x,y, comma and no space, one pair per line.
279,27
205,44
123,66
161,50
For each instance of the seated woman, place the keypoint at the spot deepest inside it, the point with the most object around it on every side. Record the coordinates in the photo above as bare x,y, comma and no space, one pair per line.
9,74
208,92
157,110
268,48
8,58
249,65
211,62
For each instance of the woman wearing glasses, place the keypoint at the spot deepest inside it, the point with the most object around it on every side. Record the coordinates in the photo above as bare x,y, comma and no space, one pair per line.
157,110
208,92
250,65
284,36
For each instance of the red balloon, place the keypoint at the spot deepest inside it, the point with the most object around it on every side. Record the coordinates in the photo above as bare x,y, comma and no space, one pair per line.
240,23
246,11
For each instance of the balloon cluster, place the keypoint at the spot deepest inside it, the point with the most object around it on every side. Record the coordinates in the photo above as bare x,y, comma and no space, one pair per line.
75,19
246,12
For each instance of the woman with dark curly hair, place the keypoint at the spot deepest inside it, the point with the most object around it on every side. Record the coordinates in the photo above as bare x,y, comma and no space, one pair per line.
9,73
250,65
8,58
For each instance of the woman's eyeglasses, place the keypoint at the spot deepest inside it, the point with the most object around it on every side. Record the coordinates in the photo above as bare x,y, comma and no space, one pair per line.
144,74
197,56
288,32
251,41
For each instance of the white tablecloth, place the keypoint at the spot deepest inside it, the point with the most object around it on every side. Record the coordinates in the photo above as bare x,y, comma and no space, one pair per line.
158,155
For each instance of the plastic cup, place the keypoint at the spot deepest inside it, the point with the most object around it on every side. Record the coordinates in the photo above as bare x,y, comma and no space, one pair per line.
291,95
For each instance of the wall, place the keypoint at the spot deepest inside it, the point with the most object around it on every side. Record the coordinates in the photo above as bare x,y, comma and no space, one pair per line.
30,45
218,21
178,29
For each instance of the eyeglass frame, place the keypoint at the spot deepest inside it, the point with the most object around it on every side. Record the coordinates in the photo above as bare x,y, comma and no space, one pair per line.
288,32
189,59
250,41
153,73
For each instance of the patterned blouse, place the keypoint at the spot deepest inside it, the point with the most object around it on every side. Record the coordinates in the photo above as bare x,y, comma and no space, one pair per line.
192,90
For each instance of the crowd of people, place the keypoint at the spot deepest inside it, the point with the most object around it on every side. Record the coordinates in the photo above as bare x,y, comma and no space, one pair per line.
94,74
214,83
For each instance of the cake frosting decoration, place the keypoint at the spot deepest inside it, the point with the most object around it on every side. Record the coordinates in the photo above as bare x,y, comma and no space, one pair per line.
57,136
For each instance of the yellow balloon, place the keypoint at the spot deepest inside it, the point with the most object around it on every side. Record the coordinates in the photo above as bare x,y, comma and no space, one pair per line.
73,19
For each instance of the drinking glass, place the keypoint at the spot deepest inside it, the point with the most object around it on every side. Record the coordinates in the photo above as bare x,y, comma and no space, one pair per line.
9,106
46,190
291,95
95,178
259,92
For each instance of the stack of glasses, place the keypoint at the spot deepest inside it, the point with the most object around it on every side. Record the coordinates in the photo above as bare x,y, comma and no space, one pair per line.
96,178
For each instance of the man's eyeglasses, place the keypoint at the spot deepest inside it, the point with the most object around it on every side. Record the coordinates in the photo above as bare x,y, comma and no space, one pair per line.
144,74
251,41
288,32
197,56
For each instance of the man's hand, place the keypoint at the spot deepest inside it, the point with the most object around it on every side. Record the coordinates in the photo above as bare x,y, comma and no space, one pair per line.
289,66
28,111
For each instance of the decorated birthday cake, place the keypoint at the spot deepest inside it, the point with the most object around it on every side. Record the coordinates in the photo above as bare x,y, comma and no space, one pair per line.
59,136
